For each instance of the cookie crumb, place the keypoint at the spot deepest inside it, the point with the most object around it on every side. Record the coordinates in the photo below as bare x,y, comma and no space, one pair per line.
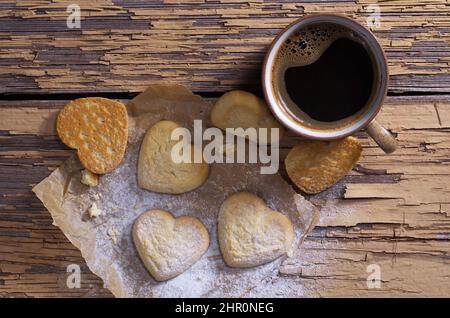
94,211
88,178
112,234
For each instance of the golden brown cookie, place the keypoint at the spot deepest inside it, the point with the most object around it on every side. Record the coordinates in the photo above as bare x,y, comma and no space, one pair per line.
250,233
168,246
98,128
239,109
316,165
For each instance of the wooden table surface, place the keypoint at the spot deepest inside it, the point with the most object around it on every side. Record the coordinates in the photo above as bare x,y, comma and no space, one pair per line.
393,211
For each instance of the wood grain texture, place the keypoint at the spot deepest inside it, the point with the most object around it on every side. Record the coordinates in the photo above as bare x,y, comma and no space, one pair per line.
393,211
210,46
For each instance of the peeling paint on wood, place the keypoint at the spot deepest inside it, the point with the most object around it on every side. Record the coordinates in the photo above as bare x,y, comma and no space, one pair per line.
395,211
207,45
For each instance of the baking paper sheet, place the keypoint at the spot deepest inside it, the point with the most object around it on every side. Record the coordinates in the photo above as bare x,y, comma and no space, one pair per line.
106,243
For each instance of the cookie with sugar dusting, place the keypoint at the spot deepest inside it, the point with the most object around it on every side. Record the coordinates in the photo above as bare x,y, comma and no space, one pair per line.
250,233
316,165
98,129
168,246
240,109
157,170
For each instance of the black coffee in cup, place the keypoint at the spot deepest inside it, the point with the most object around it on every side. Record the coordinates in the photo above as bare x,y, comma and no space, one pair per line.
325,72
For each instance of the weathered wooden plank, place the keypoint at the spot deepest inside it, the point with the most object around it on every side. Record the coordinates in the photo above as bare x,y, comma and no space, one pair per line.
406,233
339,268
207,45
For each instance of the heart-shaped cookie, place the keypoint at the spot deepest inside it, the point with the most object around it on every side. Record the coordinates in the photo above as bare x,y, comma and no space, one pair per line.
250,233
239,109
316,165
168,246
98,128
158,172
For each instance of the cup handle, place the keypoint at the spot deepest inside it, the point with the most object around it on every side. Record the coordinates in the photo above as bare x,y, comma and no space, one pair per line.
382,137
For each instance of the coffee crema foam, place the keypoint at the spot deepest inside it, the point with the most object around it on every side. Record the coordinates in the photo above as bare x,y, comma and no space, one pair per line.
302,48
306,46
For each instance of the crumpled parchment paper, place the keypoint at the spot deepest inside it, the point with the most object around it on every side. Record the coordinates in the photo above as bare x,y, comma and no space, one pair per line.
106,243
